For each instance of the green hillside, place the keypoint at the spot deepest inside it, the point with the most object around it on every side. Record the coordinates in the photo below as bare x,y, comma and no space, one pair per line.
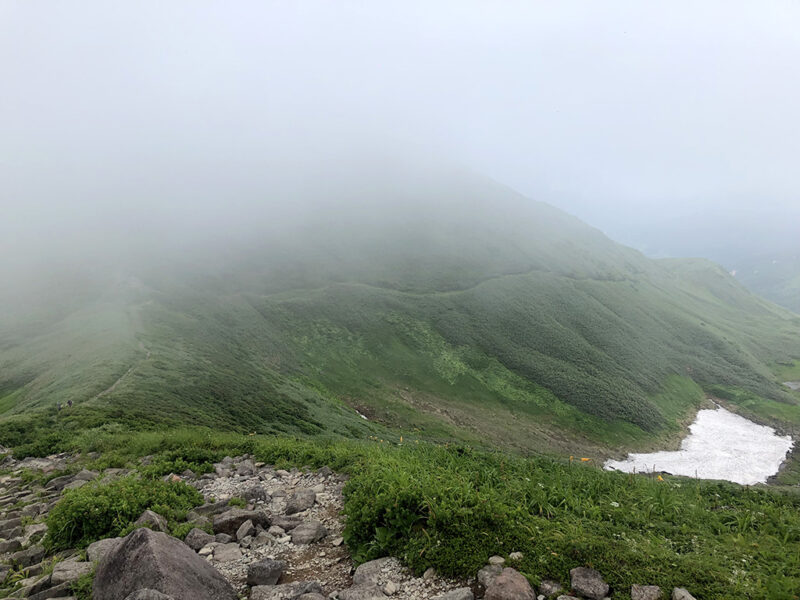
452,307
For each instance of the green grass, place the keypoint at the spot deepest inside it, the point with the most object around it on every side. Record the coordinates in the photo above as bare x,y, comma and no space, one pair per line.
100,510
451,507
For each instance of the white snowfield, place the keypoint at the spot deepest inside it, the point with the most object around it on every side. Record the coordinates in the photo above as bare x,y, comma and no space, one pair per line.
720,445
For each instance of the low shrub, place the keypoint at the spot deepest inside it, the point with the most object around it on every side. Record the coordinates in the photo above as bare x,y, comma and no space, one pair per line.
97,511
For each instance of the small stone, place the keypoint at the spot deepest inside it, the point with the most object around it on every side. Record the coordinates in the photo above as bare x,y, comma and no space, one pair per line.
97,550
265,572
458,594
681,594
246,529
319,489
549,588
497,560
325,472
276,531
197,539
68,570
223,538
370,572
429,574
646,592
152,520
207,550
287,523
515,556
285,591
366,591
588,583
390,589
227,553
510,585
337,541
299,501
487,575
308,532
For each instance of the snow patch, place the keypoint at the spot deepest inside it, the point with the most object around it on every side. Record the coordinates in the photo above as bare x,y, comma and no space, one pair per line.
720,445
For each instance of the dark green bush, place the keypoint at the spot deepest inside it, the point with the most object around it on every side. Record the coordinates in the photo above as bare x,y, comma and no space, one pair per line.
97,511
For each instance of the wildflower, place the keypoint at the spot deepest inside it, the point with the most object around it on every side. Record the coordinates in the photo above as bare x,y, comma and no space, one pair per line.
615,504
585,459
660,478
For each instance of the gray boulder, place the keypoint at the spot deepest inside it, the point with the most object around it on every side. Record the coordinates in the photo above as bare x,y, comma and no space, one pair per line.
230,521
148,559
285,591
588,583
97,550
681,594
152,520
646,592
308,532
265,572
370,572
299,501
365,591
510,585
197,538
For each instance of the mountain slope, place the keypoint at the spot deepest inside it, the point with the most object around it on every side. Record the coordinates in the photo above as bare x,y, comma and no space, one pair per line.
436,302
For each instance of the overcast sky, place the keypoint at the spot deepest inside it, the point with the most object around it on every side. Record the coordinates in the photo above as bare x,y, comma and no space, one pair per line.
623,113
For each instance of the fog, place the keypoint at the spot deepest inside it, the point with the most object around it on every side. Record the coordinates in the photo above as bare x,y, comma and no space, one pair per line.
134,123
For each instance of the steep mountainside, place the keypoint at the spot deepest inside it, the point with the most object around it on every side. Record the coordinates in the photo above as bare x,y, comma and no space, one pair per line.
445,304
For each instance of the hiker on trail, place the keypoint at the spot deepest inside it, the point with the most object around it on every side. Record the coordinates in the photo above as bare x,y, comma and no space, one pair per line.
69,403
58,406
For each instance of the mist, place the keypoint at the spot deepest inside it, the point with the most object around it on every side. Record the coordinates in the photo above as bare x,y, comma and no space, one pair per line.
132,128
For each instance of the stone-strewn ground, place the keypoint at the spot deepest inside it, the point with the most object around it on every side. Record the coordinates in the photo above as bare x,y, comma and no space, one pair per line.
277,535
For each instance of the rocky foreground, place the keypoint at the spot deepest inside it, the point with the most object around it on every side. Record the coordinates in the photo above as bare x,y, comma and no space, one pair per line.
276,536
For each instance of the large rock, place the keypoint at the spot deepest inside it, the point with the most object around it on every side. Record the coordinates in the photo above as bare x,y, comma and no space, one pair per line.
153,520
148,559
308,532
97,550
255,493
265,572
197,538
9,546
370,572
646,592
588,583
365,591
681,594
230,521
286,591
299,501
510,585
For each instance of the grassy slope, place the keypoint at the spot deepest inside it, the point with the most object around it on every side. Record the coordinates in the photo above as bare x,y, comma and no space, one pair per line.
530,330
451,507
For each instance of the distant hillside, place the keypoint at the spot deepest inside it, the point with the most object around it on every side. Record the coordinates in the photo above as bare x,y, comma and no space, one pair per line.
445,304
